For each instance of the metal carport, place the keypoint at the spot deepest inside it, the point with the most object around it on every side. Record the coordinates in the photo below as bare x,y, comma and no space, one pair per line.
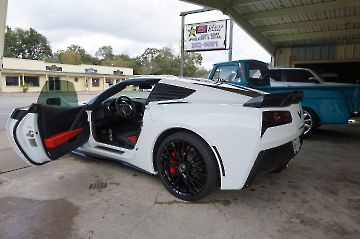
321,34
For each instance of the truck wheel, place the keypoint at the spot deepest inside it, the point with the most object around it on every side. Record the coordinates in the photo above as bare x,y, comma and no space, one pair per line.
311,122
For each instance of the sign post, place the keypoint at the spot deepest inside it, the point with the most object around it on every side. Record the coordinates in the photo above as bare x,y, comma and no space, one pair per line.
231,39
182,47
183,14
206,36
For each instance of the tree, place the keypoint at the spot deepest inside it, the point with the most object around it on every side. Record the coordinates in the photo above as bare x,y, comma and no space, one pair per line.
74,54
122,60
147,61
166,62
67,57
86,58
104,52
202,73
192,62
26,44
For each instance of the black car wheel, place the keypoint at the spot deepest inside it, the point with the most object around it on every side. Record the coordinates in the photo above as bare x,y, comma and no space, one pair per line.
310,121
187,166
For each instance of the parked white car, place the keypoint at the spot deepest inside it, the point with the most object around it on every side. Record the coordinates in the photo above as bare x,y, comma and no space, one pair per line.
195,134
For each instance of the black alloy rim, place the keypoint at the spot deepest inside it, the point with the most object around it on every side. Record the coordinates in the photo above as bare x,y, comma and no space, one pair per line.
183,168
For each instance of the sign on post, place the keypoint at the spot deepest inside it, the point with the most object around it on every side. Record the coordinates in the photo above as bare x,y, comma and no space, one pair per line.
205,36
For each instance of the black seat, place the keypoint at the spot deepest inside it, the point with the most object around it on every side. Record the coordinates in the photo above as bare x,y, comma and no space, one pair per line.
126,134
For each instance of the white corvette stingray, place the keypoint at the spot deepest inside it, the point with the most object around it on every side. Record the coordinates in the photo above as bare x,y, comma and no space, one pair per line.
197,135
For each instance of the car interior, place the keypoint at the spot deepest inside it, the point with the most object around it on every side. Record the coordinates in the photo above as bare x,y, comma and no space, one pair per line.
119,120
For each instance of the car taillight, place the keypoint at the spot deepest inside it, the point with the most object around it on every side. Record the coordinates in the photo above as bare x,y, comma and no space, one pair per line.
275,118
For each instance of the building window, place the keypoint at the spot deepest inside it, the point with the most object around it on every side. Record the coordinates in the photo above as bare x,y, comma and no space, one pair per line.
31,80
95,82
12,81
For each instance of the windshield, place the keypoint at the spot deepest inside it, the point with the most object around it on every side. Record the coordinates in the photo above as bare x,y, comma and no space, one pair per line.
134,92
58,93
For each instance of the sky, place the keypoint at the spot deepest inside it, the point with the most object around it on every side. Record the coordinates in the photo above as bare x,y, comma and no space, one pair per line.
129,26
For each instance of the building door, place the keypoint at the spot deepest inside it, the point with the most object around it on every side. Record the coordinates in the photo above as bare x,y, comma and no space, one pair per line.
54,83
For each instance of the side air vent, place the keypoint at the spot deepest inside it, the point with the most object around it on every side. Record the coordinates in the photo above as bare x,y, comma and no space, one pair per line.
168,92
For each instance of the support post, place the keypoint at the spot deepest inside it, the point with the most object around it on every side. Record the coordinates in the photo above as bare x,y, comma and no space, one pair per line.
3,13
182,57
231,39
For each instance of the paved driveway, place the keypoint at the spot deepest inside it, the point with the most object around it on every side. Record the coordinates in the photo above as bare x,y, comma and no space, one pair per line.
318,196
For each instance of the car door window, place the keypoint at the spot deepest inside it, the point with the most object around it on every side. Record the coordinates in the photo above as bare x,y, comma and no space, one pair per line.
63,96
298,76
227,73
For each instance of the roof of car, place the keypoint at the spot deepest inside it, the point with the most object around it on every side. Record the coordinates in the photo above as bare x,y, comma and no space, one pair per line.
242,61
287,68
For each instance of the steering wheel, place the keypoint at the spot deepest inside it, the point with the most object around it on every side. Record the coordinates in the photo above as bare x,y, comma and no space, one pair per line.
125,107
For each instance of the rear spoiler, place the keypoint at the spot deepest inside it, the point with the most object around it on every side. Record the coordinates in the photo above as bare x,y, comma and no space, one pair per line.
275,100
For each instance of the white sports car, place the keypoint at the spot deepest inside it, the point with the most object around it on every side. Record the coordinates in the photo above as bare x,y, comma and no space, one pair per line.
197,135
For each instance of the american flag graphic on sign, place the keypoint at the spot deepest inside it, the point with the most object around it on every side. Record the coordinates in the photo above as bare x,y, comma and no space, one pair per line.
201,29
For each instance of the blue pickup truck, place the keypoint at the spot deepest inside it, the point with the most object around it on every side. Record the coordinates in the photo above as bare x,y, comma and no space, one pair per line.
323,103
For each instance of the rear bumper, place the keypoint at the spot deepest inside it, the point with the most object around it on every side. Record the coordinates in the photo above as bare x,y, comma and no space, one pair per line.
271,159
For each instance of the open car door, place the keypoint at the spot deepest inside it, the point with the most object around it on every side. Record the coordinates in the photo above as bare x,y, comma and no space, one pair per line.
48,129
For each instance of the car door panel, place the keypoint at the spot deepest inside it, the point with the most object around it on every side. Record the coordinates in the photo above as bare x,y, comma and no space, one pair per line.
57,130
44,133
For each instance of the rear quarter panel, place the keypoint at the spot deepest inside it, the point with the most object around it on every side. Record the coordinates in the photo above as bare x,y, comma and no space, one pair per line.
234,130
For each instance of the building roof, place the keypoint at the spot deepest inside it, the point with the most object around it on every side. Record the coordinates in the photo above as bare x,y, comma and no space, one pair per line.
25,65
284,23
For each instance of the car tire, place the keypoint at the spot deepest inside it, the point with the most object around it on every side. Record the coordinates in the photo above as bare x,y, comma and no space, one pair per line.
311,122
186,165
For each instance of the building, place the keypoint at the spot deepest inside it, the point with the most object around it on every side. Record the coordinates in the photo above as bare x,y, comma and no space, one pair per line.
17,74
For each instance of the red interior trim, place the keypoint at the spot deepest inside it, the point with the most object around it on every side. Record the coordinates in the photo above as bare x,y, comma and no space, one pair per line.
60,138
132,139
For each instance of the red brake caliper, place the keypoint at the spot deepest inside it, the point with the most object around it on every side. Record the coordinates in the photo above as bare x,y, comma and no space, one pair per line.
172,169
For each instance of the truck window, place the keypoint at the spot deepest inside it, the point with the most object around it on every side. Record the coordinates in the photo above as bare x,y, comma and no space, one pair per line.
297,75
275,75
258,74
227,73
